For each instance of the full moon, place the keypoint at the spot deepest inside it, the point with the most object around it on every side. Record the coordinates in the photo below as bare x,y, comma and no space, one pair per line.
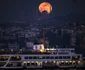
45,6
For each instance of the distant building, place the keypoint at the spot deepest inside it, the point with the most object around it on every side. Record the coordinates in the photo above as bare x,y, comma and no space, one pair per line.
14,46
73,38
29,45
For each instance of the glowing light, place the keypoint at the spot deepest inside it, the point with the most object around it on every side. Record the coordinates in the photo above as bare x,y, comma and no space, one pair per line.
18,57
32,61
79,61
45,61
70,61
24,62
66,61
54,61
73,61
45,6
42,50
62,61
36,61
28,62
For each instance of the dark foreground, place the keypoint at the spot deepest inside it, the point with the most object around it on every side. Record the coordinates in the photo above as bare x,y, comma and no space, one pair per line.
81,68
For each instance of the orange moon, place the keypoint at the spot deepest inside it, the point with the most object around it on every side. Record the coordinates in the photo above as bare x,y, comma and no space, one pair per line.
45,6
